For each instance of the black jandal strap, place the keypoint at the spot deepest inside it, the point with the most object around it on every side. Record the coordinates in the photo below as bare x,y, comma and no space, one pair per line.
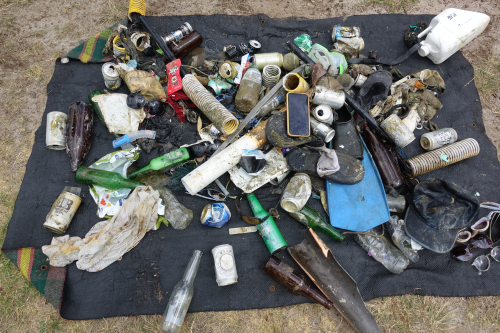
385,62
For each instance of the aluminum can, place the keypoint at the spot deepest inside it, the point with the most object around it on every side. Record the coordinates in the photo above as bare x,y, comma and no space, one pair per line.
54,130
63,210
333,98
215,215
112,79
225,265
397,131
323,113
261,60
296,194
322,130
438,139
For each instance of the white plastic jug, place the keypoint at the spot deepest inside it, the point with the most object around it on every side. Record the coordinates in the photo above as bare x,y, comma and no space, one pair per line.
449,31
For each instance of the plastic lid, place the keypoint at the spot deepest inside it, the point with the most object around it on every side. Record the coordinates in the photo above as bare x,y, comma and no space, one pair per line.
423,50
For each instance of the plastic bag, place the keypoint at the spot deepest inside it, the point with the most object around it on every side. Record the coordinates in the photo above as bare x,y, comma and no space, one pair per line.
141,82
175,213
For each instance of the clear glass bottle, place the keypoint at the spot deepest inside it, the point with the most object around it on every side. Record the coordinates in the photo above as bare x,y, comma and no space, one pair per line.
181,296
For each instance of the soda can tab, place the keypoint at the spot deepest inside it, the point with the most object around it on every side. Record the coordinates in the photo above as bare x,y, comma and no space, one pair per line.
55,129
225,265
242,230
63,210
215,215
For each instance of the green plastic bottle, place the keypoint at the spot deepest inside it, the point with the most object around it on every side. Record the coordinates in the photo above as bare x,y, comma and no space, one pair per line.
107,179
166,161
312,219
267,229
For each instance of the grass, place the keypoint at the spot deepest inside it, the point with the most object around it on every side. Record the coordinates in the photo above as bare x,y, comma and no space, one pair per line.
35,72
69,29
114,11
487,75
7,21
391,6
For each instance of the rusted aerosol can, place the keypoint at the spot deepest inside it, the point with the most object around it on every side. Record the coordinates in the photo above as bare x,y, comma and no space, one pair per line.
261,60
176,35
55,129
248,92
63,210
225,265
438,139
444,156
186,44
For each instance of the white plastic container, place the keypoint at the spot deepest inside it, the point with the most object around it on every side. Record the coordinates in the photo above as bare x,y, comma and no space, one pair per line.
449,31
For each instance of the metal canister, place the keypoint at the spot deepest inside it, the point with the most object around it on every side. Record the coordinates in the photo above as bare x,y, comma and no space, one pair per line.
396,204
323,95
323,113
225,265
294,83
262,59
322,130
228,69
438,139
54,130
290,61
397,131
112,79
63,210
215,215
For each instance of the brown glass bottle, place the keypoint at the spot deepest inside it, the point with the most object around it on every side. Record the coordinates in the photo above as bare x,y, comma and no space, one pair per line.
186,44
387,169
294,281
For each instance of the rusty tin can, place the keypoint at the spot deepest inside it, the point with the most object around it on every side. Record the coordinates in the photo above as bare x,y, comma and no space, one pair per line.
63,210
438,139
225,265
55,129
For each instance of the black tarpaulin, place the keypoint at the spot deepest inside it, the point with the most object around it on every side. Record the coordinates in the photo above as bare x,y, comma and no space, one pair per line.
142,281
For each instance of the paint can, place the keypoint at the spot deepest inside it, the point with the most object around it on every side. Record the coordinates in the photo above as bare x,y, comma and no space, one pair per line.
396,204
294,83
261,60
444,156
215,215
323,113
225,265
397,131
296,194
63,210
55,129
438,139
112,79
323,95
321,130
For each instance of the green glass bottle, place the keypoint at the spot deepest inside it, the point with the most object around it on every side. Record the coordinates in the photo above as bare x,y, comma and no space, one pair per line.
312,219
267,229
109,180
166,161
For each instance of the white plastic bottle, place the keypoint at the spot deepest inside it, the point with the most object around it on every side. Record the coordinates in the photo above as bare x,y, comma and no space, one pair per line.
449,31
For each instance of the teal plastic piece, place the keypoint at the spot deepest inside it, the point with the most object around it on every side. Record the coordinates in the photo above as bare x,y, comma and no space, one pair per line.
362,206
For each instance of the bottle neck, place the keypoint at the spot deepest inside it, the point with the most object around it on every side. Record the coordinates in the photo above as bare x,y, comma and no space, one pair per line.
192,267
256,207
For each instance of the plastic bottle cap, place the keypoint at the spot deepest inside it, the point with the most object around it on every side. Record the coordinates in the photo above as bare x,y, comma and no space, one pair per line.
423,50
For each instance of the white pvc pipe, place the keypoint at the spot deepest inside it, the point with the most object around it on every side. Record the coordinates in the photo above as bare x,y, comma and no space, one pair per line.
218,165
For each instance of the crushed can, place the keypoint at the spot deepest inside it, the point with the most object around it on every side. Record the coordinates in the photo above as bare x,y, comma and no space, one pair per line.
225,265
63,210
345,32
215,215
303,41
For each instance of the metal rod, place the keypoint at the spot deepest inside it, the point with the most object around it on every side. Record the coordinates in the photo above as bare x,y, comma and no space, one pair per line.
170,56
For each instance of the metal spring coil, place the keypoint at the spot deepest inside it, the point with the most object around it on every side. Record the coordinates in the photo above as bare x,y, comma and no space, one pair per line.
270,76
455,152
137,6
212,108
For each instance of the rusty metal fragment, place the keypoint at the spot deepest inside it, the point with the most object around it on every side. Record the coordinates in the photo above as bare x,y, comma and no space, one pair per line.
317,260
